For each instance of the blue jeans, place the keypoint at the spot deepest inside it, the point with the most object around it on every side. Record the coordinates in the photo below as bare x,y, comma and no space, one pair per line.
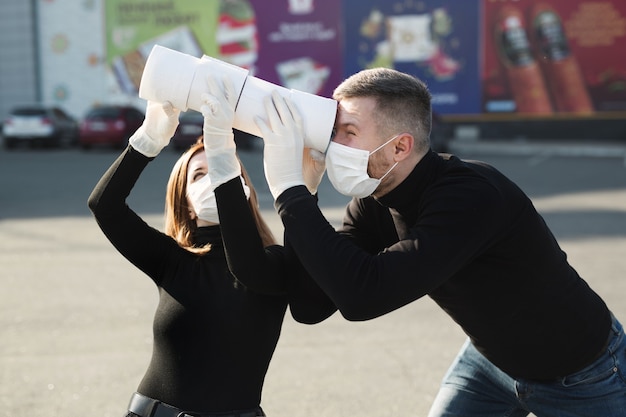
474,387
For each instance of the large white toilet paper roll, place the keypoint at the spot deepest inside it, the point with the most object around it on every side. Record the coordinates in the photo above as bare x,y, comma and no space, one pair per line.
167,76
211,67
318,113
181,79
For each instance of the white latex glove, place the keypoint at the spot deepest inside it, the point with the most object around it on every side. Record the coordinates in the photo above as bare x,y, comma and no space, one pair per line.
313,167
157,128
283,139
219,141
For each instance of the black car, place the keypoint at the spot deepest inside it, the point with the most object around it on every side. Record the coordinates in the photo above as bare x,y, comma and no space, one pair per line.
188,131
440,134
37,125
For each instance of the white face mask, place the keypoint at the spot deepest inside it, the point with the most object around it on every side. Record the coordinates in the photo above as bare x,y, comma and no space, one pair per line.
347,169
202,198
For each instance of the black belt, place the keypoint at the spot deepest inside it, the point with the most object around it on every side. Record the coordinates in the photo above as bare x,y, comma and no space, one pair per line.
147,407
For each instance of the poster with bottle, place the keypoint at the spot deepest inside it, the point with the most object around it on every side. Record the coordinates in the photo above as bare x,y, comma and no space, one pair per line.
299,44
435,40
556,57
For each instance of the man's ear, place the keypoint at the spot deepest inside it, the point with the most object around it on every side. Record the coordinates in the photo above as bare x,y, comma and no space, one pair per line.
404,147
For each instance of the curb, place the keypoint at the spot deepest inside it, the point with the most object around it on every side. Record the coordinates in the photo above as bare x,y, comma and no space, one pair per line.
544,148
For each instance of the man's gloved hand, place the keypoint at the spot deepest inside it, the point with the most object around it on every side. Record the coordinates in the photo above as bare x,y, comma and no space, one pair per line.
219,141
313,167
157,128
283,138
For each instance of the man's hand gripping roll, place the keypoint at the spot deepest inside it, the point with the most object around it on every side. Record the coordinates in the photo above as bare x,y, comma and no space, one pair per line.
283,137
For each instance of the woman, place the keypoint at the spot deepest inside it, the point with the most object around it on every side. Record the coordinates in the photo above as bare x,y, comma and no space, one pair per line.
213,337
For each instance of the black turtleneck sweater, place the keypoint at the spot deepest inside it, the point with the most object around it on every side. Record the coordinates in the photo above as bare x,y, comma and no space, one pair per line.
213,337
464,234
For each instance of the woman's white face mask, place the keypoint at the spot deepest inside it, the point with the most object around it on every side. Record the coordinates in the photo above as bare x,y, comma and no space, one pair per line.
202,198
347,169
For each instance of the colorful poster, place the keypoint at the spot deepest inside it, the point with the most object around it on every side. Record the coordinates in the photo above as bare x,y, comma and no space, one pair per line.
565,56
134,27
299,44
293,43
435,40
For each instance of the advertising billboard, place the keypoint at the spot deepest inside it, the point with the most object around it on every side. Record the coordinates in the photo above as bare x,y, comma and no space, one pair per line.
557,57
293,43
300,44
435,40
133,27
478,57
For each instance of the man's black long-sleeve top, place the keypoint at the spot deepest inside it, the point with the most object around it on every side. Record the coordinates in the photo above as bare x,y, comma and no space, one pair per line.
464,234
213,338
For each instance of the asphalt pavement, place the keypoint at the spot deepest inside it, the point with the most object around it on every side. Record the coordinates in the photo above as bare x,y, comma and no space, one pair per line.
75,317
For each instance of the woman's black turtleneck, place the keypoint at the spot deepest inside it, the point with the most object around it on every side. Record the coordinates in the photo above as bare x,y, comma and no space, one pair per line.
213,337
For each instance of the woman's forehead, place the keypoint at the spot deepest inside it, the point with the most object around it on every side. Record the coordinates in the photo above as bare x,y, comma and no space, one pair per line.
197,161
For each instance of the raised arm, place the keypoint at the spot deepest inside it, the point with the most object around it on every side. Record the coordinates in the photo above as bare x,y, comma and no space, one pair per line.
256,267
141,244
271,269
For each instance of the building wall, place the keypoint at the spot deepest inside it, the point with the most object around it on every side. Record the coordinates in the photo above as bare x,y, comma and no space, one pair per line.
71,38
53,52
18,55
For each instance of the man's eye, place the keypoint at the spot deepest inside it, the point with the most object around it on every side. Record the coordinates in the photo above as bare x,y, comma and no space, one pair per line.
333,133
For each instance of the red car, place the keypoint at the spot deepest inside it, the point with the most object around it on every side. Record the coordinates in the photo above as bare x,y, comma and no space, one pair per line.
109,126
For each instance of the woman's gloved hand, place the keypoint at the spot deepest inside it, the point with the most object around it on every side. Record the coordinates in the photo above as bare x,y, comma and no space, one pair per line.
219,141
156,130
283,138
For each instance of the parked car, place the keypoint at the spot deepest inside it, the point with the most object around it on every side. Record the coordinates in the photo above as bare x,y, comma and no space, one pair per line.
109,126
440,134
38,125
188,131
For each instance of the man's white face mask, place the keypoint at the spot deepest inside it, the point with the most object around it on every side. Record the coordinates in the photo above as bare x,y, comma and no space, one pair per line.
347,169
202,198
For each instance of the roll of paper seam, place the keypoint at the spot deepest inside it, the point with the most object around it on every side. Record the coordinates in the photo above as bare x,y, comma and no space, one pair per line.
181,79
318,113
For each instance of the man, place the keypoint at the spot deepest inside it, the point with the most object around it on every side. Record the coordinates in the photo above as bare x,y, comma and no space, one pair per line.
421,223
